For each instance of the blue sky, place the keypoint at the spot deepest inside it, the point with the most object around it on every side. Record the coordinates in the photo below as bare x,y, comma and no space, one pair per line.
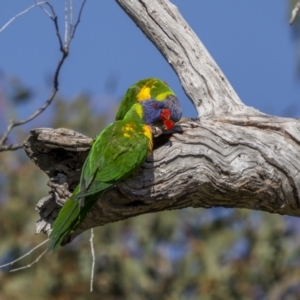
250,40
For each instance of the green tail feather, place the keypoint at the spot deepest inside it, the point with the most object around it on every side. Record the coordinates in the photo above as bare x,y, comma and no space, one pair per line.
69,217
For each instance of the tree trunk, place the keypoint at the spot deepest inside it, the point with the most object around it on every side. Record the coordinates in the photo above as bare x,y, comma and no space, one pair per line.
232,156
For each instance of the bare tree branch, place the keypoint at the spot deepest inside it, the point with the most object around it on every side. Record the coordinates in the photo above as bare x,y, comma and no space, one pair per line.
294,13
31,264
65,52
44,9
25,255
55,22
93,259
233,156
71,12
22,13
74,27
67,15
10,147
246,162
203,81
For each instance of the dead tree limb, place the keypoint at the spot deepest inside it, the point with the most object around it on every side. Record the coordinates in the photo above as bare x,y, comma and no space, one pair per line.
232,156
201,78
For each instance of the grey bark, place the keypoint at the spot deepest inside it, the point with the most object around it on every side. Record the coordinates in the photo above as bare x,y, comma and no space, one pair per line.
232,156
201,78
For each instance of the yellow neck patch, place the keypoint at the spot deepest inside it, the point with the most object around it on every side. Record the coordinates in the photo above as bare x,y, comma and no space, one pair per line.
139,110
148,133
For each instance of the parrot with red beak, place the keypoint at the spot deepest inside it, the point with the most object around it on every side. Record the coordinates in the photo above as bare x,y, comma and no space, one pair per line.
151,89
116,154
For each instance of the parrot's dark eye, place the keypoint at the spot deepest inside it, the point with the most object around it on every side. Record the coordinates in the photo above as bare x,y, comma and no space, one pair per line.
155,105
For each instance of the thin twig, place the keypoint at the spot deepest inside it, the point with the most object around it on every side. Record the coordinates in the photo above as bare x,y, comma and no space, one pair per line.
71,18
294,13
28,266
10,147
6,133
65,52
77,22
52,10
93,259
54,18
13,123
26,254
22,13
66,23
45,10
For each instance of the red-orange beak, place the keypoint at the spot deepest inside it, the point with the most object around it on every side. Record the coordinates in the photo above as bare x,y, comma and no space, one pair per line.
165,116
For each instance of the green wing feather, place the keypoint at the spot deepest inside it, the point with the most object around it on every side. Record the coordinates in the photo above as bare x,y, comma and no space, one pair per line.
70,216
117,153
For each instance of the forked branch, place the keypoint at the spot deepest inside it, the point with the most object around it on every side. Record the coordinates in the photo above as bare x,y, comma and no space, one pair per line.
64,53
201,78
233,156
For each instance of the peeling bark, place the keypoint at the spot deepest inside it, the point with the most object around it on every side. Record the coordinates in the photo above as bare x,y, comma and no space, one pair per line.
201,78
238,162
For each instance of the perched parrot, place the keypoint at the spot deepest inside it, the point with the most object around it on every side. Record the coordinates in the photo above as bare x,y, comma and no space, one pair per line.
117,153
150,88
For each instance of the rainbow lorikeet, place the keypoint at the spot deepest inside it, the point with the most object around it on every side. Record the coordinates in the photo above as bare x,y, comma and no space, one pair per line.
117,153
151,88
